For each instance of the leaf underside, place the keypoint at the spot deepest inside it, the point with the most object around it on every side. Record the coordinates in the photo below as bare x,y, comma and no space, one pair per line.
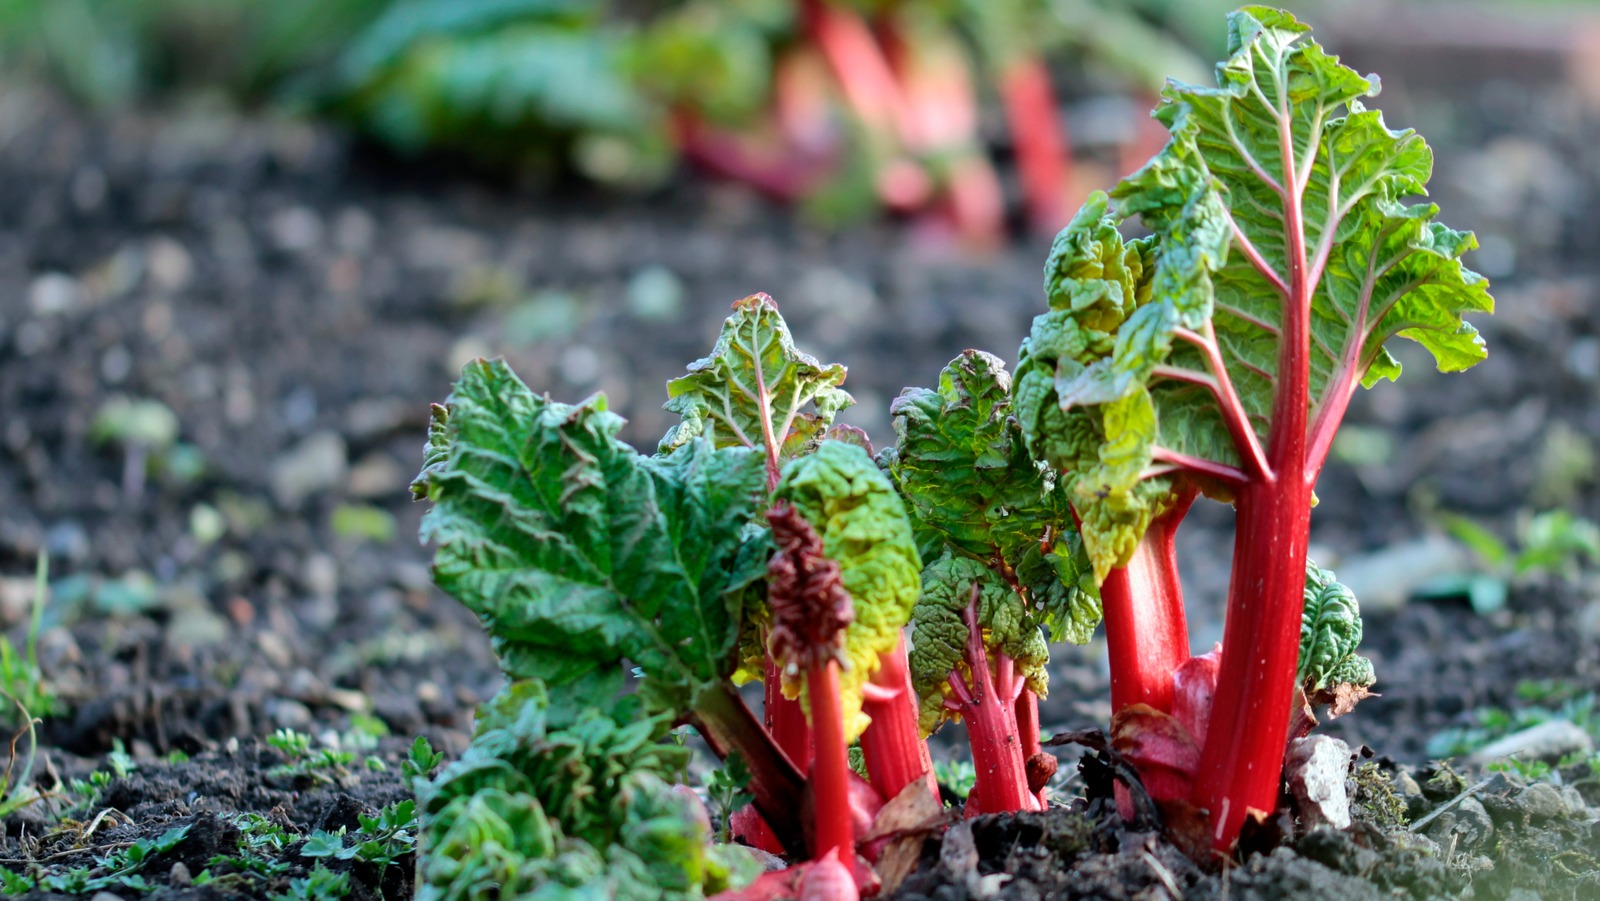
1123,354
754,387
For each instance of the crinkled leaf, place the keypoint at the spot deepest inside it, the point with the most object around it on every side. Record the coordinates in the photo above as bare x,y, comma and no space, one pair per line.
1216,267
753,389
547,805
1330,632
578,553
939,632
864,527
967,477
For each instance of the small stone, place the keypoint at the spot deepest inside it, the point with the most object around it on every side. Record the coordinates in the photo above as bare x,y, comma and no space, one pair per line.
1385,580
195,626
1541,801
321,575
373,417
1317,768
1576,805
289,714
115,364
88,189
179,874
296,229
275,648
1466,827
105,896
316,464
1549,741
655,294
16,599
53,294
579,365
354,231
170,265
67,540
377,475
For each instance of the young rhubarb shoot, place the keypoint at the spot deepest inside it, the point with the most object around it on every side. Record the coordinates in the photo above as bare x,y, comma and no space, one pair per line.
864,527
1330,671
1000,532
753,391
810,611
1283,257
975,649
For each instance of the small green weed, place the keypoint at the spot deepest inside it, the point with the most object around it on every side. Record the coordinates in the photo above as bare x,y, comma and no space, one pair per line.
381,841
729,789
1554,543
957,775
118,869
322,885
324,764
1489,723
422,761
20,676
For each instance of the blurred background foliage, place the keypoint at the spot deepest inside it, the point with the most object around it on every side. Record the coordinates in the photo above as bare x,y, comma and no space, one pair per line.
546,85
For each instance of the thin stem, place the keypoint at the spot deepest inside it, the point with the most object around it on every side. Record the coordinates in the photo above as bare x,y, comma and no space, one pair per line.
764,405
1179,374
1256,259
833,826
1200,465
776,786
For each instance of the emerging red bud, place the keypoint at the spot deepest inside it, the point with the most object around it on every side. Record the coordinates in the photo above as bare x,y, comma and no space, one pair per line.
810,608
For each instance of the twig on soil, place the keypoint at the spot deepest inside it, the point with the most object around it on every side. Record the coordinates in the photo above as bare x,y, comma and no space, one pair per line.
1450,804
99,849
95,823
1164,874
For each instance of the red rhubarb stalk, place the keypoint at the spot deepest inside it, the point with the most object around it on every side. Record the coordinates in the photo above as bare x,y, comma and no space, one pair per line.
858,63
986,701
1038,765
810,612
830,769
1147,633
786,719
895,755
1242,761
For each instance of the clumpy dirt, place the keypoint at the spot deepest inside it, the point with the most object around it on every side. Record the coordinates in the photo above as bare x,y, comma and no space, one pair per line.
1500,840
295,301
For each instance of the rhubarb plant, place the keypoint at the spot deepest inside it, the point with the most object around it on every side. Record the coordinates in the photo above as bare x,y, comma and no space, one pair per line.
1218,357
1004,564
751,546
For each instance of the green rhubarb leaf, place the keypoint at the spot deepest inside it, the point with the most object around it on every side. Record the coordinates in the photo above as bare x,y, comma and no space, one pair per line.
1330,632
1159,360
962,465
939,633
1219,195
577,553
864,527
754,388
548,802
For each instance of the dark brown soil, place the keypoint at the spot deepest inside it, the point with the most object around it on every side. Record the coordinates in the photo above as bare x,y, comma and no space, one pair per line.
296,302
